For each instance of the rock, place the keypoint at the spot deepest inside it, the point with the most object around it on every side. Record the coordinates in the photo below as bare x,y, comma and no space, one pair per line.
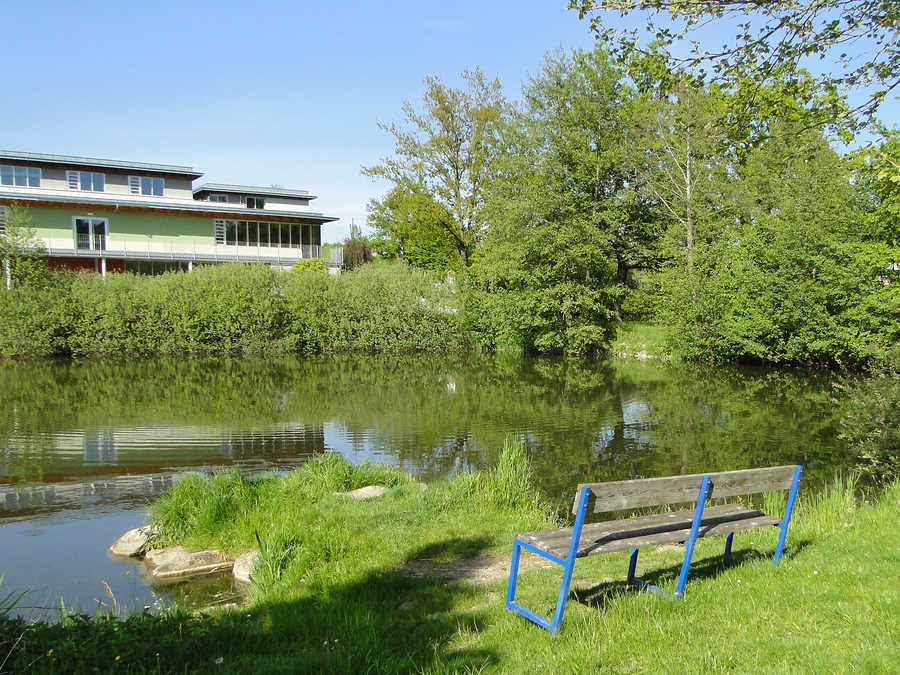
177,563
164,556
244,564
133,543
366,492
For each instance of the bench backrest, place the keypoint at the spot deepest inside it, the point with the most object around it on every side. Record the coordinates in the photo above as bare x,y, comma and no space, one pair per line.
635,494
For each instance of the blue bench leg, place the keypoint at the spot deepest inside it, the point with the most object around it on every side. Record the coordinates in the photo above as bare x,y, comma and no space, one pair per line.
513,574
788,510
695,529
632,566
563,596
728,540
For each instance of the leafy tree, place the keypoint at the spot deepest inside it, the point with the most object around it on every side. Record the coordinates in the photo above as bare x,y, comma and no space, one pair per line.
878,171
792,279
447,149
22,252
772,39
411,225
677,150
580,108
566,228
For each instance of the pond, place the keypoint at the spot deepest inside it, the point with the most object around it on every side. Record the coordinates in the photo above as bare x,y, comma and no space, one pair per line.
85,445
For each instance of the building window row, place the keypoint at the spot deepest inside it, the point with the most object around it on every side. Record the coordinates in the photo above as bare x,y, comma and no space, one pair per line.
88,181
146,185
20,176
2,220
252,233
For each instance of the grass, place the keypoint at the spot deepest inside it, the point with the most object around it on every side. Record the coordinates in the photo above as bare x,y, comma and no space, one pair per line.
330,595
636,339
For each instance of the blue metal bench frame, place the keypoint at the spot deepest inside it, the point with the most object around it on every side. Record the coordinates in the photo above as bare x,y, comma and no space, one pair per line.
568,563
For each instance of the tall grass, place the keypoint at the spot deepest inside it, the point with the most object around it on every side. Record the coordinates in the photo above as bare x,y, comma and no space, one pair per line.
307,531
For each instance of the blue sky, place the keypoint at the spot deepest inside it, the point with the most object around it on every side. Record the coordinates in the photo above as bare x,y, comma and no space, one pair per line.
256,93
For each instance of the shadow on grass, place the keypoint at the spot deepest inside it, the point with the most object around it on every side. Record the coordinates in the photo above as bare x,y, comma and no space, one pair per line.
383,621
452,548
600,595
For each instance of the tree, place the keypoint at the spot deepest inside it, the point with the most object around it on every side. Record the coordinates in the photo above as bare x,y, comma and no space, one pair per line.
772,39
566,227
792,278
677,152
22,252
581,110
410,224
878,172
357,249
447,149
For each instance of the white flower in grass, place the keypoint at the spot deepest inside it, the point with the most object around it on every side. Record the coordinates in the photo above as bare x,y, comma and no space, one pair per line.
220,660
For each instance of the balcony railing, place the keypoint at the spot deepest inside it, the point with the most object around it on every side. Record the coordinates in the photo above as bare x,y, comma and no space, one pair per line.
158,250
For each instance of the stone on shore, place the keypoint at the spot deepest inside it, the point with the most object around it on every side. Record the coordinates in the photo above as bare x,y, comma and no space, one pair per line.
177,563
133,543
366,492
244,565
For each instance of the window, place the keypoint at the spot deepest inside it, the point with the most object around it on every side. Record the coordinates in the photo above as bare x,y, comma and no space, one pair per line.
85,180
217,198
145,185
2,220
154,267
253,233
255,202
20,176
90,233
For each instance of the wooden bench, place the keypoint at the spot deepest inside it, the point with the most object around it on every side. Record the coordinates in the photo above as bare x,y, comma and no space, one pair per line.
563,546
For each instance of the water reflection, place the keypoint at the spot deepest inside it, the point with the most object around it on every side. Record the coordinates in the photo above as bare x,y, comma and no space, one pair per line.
124,467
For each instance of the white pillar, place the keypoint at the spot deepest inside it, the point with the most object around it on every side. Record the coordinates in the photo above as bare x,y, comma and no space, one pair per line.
102,267
190,265
8,271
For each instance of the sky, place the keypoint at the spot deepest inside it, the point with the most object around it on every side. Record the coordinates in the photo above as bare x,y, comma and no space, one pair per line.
261,93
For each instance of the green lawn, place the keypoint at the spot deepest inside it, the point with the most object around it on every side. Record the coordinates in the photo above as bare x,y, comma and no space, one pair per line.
332,596
636,339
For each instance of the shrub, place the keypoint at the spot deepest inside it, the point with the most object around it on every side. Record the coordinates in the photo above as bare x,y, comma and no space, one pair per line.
232,309
310,265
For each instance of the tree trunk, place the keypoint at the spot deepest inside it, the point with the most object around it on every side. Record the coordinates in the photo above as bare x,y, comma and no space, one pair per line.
690,241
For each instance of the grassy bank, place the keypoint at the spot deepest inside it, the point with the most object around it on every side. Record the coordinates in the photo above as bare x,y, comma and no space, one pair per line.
640,340
334,591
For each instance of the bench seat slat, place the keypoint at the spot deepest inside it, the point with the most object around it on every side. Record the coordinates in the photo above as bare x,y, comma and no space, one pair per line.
664,528
639,493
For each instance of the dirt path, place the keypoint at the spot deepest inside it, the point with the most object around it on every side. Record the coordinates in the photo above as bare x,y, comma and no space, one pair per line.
477,569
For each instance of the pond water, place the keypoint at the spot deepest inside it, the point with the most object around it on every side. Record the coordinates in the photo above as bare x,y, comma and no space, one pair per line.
85,445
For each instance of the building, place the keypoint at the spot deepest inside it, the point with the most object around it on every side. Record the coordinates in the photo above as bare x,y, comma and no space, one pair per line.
111,215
